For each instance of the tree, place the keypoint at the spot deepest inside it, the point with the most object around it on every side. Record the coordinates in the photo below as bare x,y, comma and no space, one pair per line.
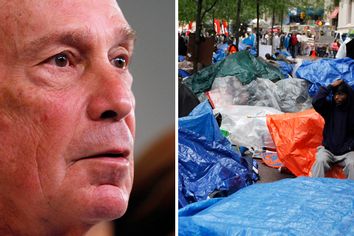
197,10
202,11
257,33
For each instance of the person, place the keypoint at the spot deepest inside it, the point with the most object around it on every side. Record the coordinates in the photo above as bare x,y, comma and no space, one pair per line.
293,45
270,57
287,42
281,57
338,133
231,49
282,40
276,42
334,47
67,118
182,46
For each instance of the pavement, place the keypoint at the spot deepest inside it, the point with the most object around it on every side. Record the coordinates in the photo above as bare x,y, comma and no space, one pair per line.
268,174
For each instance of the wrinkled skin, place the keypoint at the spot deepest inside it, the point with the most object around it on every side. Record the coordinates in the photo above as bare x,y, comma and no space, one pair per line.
67,120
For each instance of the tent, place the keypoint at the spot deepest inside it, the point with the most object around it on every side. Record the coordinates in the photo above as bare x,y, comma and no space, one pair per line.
241,65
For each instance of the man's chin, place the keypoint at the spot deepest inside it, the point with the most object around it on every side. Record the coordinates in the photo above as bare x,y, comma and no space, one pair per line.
340,104
108,202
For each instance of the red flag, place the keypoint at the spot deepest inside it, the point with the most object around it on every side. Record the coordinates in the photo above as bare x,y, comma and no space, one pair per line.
217,26
224,24
190,26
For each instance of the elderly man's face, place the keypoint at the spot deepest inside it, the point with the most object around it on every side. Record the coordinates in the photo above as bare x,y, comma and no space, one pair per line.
67,119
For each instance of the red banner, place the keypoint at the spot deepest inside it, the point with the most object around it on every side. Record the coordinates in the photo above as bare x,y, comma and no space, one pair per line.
217,27
225,26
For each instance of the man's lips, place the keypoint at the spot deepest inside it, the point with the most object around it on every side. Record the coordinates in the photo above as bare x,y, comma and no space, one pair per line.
110,167
113,154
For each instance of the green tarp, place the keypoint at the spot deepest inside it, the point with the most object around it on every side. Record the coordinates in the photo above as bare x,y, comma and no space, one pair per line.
241,64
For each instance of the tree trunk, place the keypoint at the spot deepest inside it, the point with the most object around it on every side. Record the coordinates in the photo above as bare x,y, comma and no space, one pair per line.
214,24
257,33
281,19
238,10
271,33
197,35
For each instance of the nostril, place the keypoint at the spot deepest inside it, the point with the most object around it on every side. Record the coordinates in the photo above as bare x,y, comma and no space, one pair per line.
109,114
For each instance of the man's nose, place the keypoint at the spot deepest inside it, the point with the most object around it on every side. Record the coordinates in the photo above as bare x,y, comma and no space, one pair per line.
112,98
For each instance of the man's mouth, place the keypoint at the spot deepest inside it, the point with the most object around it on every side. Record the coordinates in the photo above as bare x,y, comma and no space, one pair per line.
109,154
339,103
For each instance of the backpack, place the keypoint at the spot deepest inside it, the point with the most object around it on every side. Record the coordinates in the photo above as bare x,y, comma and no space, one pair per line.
293,40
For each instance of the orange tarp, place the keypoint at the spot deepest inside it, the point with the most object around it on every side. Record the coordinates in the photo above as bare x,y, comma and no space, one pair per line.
296,137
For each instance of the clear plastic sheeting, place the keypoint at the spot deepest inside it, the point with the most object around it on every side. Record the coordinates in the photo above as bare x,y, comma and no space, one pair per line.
289,95
207,164
293,95
247,125
300,206
230,91
324,71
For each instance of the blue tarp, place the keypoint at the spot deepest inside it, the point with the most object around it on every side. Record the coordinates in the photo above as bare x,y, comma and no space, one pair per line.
202,121
301,206
284,52
223,46
207,163
242,46
250,40
324,71
285,68
181,58
183,73
219,55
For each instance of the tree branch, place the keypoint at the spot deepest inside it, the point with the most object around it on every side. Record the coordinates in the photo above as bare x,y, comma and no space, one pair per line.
206,10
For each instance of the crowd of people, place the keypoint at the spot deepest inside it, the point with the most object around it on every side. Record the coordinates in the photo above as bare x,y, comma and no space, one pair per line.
295,43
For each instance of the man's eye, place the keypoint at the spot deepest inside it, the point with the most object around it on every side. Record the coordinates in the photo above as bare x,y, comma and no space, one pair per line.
60,60
120,62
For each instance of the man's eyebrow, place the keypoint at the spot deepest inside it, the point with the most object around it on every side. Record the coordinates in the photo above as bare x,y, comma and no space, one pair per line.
80,39
128,33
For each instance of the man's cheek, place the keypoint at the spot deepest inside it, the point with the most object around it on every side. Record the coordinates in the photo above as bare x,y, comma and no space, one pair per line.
130,121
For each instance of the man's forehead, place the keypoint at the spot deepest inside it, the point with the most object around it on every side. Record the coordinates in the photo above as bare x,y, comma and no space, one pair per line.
17,10
340,93
81,25
34,17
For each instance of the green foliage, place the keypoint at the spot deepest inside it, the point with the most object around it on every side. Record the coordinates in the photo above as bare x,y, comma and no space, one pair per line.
226,9
187,10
